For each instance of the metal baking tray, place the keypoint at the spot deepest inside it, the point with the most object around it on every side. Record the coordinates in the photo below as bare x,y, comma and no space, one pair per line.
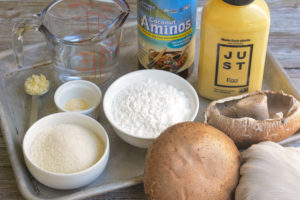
126,163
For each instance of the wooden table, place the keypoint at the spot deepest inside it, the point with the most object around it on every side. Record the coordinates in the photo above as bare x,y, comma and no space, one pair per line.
284,42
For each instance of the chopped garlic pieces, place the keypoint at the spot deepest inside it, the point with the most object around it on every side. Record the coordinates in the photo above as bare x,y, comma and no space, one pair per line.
36,84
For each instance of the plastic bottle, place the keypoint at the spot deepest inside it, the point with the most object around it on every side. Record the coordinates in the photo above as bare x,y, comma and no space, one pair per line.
233,44
166,35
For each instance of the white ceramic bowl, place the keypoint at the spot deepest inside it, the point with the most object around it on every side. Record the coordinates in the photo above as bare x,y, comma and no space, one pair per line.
81,89
142,75
60,180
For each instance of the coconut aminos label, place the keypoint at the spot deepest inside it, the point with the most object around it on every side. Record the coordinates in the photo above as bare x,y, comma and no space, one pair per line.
166,34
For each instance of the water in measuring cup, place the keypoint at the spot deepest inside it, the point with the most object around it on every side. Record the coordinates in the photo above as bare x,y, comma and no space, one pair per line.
96,62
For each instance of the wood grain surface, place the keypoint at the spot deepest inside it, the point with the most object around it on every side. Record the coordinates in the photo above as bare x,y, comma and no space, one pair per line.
284,42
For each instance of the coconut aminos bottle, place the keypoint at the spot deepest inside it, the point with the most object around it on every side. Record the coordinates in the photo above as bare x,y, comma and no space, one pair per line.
166,35
233,44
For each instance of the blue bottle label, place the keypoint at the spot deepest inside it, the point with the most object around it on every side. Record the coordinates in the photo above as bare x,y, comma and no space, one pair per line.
166,34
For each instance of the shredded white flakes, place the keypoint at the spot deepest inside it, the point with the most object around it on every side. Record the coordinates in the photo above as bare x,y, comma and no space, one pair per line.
149,107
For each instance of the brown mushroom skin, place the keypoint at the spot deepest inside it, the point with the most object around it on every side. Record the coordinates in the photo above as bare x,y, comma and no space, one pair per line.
248,131
191,161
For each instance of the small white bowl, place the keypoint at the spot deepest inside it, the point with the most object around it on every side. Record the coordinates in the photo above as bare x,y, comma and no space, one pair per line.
81,89
60,180
138,76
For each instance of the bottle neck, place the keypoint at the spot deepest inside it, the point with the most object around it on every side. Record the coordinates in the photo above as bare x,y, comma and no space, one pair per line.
238,2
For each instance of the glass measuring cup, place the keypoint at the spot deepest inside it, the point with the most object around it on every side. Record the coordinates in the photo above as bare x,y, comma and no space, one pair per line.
83,37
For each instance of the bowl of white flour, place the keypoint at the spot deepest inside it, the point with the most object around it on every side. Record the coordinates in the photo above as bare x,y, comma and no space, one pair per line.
142,104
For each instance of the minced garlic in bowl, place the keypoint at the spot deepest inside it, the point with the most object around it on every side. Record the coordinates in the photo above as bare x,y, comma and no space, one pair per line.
36,84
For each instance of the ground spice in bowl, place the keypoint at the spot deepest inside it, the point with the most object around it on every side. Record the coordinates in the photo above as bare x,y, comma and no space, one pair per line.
76,104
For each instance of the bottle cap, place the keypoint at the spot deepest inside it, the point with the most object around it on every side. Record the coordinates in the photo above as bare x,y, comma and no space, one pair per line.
238,2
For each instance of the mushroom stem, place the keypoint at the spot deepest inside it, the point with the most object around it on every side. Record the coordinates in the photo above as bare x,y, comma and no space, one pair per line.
255,106
278,115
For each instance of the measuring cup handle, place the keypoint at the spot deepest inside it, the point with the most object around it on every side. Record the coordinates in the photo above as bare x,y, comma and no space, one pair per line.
19,29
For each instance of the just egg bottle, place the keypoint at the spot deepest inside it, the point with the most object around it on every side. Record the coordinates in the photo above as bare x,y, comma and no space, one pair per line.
233,44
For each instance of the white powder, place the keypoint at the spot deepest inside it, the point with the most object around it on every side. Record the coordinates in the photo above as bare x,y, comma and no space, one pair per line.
149,107
66,148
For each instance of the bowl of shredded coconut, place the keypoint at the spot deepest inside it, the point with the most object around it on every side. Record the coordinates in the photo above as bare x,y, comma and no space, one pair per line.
142,104
66,150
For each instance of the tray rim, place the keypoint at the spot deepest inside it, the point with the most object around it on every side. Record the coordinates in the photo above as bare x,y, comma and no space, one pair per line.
19,176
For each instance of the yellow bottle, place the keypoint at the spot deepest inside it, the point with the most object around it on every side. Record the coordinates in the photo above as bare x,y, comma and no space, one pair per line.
233,44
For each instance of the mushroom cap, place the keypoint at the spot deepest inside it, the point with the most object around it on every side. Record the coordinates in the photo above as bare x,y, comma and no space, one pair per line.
246,131
191,160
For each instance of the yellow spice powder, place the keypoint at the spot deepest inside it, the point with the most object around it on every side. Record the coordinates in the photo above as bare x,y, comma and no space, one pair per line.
76,104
